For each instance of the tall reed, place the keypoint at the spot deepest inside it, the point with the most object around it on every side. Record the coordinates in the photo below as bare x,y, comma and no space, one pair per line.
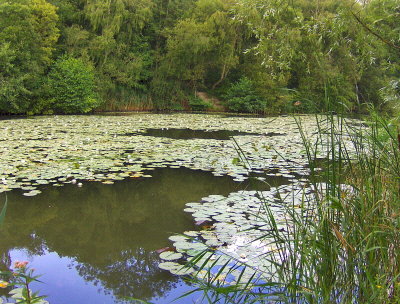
343,245
3,212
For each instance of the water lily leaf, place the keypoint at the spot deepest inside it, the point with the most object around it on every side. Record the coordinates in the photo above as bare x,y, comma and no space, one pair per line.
182,246
169,265
176,268
198,246
32,193
107,182
182,271
178,238
191,233
170,256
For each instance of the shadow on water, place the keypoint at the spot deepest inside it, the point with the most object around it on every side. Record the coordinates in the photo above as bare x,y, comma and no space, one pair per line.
191,134
109,233
12,117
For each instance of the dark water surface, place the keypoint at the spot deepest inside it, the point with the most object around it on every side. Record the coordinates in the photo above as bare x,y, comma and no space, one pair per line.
96,244
191,134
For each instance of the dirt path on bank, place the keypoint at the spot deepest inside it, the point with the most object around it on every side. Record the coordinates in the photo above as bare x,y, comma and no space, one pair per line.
217,104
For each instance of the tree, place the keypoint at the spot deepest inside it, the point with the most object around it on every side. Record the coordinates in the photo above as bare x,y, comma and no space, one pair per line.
314,48
241,97
27,39
380,20
203,48
117,47
71,86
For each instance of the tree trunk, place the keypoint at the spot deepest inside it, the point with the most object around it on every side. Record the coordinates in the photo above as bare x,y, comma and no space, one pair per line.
223,75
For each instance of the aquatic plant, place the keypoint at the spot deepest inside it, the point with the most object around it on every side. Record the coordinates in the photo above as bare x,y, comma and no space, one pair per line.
47,150
3,212
20,279
336,240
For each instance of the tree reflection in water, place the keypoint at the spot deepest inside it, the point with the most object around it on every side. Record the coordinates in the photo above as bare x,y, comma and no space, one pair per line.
111,231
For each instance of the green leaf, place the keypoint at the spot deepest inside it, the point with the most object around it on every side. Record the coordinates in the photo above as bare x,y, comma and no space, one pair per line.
336,204
3,213
235,161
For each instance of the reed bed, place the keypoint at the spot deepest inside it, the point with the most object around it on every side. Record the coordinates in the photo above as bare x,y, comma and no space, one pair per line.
343,244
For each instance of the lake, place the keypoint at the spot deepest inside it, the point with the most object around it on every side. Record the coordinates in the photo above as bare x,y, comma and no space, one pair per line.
92,198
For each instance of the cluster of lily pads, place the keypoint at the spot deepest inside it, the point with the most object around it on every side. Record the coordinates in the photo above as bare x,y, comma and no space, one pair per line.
58,150
237,235
71,149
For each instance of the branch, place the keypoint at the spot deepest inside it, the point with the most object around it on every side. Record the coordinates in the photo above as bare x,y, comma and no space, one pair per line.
389,43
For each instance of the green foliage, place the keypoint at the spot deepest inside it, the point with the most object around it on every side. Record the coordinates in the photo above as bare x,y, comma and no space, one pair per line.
71,86
242,97
381,19
20,279
165,91
167,50
121,55
202,49
316,48
27,39
328,252
3,213
198,104
176,106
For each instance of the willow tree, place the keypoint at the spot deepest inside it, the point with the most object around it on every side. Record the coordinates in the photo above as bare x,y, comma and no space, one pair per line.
380,20
27,39
118,49
313,48
204,47
110,35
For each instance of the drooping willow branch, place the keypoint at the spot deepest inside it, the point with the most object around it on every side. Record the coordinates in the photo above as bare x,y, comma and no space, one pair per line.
391,44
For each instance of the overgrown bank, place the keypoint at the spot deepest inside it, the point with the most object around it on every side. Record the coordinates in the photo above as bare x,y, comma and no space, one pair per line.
72,56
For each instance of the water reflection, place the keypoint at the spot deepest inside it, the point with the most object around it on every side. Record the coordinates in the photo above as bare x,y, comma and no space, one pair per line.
110,232
191,134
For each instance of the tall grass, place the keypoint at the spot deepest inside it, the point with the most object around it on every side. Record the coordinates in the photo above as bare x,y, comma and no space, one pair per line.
121,99
343,246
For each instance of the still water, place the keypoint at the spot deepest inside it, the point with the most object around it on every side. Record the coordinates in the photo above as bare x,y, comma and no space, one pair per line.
97,243
190,134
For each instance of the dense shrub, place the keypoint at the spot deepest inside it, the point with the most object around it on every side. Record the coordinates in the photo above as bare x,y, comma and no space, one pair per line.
198,104
71,86
242,97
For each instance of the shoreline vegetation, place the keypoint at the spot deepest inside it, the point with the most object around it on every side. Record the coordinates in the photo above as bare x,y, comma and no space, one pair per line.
244,56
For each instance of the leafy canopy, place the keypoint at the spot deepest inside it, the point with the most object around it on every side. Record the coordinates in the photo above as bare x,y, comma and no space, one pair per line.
71,86
27,40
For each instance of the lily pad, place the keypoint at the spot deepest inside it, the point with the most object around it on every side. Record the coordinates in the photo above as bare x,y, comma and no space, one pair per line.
32,193
88,150
178,238
170,256
176,268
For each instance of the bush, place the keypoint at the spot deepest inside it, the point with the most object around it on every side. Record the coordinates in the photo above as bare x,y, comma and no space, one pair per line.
176,106
198,104
242,97
71,86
